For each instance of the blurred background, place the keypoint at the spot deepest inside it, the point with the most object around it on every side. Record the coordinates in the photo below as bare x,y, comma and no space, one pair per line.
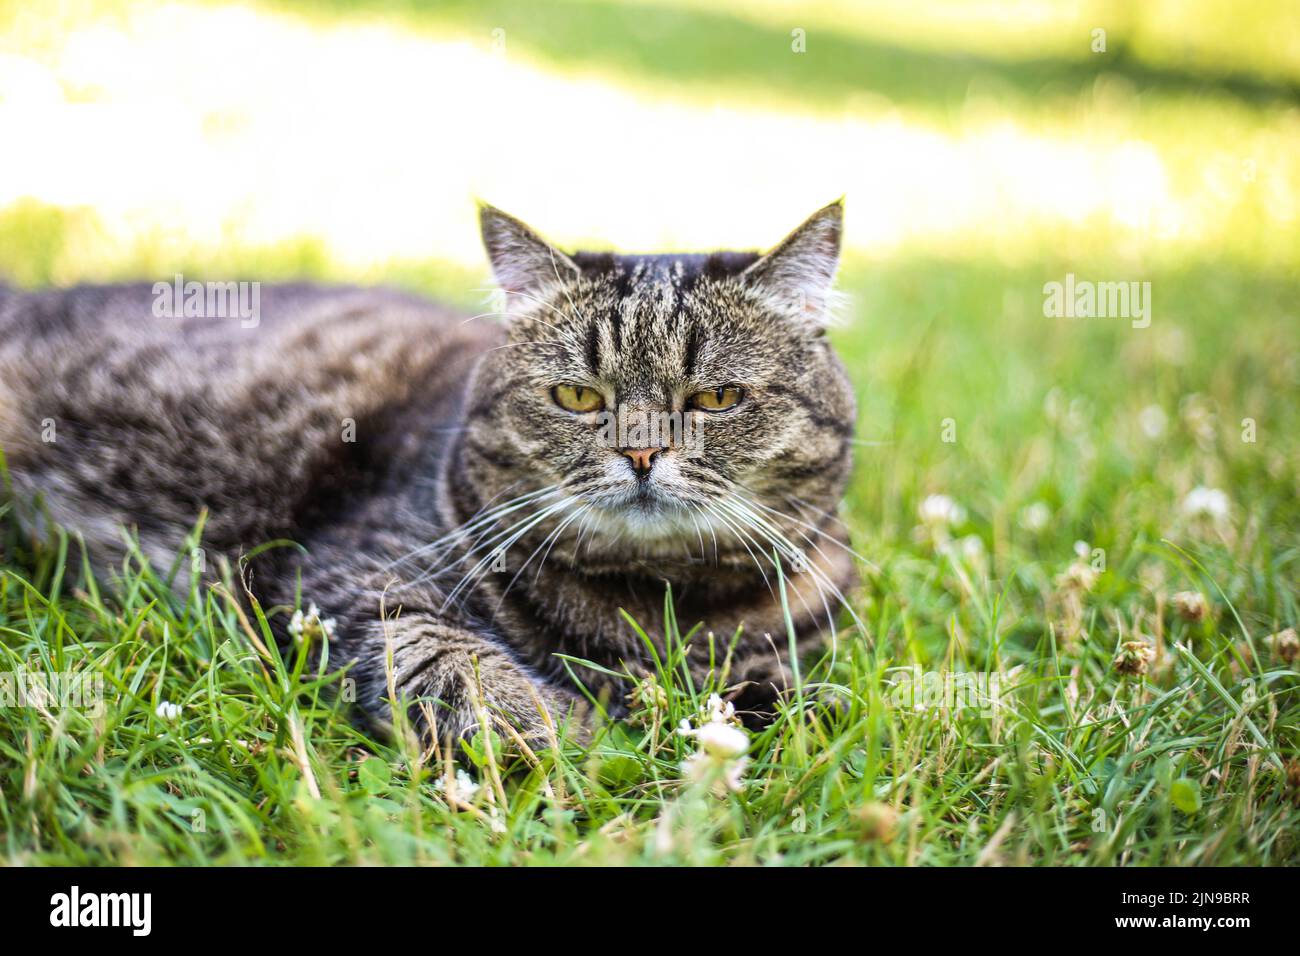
358,133
984,149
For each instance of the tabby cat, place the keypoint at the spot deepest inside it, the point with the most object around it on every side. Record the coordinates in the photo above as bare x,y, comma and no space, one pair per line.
473,499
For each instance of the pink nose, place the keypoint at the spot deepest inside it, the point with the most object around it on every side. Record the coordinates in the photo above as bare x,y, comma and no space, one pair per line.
642,459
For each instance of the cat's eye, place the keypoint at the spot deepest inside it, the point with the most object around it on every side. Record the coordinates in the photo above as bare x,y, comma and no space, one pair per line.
578,398
717,399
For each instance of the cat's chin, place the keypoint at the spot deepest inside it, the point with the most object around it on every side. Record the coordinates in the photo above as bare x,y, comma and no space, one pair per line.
647,519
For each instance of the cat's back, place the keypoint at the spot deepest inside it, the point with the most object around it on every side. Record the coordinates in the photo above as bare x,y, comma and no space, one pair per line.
213,319
116,403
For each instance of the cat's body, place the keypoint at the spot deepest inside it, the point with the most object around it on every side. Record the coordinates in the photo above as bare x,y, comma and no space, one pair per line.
370,426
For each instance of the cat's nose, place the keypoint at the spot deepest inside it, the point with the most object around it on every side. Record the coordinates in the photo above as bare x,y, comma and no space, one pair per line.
642,459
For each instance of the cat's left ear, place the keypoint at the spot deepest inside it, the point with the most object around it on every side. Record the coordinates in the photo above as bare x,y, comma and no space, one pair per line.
798,274
522,261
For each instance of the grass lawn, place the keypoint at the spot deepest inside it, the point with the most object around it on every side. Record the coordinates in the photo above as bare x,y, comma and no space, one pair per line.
1078,764
1030,495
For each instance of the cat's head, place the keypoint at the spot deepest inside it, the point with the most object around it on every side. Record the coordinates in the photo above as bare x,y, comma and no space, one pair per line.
668,399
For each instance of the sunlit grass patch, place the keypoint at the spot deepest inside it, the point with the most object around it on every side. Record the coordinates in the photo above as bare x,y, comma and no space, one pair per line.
1099,520
1069,761
937,152
1085,758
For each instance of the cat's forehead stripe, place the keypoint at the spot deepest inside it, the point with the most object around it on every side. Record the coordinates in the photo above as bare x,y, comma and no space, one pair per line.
648,309
684,270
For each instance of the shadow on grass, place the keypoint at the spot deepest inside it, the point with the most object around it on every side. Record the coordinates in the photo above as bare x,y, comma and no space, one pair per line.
713,49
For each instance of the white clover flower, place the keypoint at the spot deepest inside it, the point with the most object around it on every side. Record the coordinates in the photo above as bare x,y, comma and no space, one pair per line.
971,549
1034,517
466,786
1202,502
940,511
1080,575
1199,416
724,775
167,710
1153,421
311,626
1191,605
733,776
719,711
722,740
1285,644
1134,658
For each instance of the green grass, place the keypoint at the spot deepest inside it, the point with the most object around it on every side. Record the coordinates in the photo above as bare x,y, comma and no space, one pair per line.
1078,765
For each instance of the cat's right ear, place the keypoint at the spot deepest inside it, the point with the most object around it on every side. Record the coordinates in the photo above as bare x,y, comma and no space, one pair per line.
798,275
522,261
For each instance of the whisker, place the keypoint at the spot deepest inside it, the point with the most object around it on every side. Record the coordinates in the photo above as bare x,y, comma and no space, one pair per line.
740,534
748,519
434,571
488,514
754,499
818,531
580,514
550,538
546,305
698,533
817,573
523,527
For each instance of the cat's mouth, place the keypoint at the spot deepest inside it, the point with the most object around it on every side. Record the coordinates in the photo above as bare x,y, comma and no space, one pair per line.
644,513
644,501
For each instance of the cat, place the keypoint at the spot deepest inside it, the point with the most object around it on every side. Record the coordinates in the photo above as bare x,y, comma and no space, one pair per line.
477,501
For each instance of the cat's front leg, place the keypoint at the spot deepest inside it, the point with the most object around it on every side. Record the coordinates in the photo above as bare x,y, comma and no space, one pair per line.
450,680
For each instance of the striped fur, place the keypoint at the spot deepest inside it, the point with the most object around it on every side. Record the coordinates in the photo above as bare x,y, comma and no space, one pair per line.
401,445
